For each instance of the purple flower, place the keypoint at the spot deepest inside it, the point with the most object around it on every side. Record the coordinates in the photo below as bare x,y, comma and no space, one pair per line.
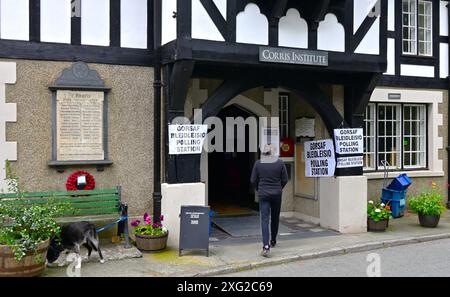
161,218
135,223
147,219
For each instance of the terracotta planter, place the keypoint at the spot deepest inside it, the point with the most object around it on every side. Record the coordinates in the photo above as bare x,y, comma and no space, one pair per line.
377,226
429,221
27,267
151,243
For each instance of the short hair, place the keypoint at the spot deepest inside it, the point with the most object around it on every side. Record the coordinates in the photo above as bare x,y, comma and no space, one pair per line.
268,150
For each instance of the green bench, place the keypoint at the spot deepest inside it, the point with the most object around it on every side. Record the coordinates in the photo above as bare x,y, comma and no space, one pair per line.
92,206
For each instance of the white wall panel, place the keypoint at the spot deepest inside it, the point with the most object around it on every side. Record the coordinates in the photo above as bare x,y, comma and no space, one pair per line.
293,30
133,23
361,9
390,57
444,18
331,34
95,22
222,6
202,25
252,26
14,19
169,24
55,21
391,15
371,42
416,70
443,60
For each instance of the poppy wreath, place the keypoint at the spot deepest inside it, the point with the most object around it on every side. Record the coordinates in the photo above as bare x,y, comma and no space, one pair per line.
71,184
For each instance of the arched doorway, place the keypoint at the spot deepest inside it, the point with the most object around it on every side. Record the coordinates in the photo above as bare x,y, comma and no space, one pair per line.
229,188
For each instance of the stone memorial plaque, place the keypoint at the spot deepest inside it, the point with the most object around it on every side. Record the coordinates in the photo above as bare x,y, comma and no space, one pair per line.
79,129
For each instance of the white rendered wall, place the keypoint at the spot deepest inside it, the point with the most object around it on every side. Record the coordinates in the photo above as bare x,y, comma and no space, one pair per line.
361,9
343,203
293,30
331,34
252,26
443,60
14,19
391,15
55,21
202,25
371,42
95,22
443,18
8,113
390,57
133,23
173,197
416,70
169,24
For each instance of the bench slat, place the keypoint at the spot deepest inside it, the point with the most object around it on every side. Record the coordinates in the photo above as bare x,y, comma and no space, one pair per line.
96,204
93,211
71,200
56,194
93,218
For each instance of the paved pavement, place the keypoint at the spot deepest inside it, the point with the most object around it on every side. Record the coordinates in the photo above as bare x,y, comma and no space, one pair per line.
244,255
416,260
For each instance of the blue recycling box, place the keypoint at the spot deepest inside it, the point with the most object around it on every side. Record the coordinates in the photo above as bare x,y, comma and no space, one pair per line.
400,183
396,200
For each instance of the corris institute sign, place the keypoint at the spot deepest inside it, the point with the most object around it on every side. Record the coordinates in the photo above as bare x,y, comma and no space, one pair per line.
293,56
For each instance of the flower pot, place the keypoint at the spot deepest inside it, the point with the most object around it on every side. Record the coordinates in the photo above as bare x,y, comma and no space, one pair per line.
377,226
151,243
33,264
428,221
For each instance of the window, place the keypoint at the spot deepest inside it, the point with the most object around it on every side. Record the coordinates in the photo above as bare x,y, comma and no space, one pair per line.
417,27
284,114
397,134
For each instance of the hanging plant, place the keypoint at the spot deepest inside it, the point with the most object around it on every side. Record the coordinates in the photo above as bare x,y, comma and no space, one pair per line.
71,184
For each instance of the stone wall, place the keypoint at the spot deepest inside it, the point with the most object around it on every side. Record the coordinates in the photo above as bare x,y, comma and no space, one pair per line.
130,130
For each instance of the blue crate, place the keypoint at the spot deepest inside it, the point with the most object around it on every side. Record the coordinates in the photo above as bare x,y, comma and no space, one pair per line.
396,200
400,183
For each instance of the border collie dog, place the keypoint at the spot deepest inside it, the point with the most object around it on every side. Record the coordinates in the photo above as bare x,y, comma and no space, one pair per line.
73,236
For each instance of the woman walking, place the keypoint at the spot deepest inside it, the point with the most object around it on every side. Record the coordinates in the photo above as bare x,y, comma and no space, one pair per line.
269,176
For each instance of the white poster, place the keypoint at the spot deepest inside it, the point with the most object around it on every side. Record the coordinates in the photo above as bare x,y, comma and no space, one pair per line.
305,127
319,158
349,141
349,162
186,139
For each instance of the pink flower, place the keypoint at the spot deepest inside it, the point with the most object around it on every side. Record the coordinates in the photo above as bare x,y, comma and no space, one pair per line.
135,223
147,219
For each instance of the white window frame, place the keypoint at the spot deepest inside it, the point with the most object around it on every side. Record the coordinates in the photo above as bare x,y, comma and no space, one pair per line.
414,29
373,137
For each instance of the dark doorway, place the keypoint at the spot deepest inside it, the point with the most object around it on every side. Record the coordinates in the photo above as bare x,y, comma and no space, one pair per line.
230,191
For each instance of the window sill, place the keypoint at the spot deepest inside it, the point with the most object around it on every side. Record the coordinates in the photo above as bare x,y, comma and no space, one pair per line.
417,173
62,165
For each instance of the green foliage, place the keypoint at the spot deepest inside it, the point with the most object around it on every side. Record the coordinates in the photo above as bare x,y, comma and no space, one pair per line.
24,225
147,228
429,202
378,212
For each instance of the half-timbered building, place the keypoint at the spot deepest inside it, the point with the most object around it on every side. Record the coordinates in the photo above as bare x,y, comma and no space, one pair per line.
385,70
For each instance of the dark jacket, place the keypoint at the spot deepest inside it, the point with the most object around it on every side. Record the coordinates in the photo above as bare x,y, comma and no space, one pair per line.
269,178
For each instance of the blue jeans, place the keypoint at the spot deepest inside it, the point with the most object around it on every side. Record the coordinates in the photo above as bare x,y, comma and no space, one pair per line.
269,208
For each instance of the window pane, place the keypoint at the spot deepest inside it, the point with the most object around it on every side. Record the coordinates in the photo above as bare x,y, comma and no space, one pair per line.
369,138
388,141
414,143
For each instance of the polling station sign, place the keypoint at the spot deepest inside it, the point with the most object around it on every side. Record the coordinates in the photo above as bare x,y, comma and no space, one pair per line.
319,158
349,162
186,139
349,141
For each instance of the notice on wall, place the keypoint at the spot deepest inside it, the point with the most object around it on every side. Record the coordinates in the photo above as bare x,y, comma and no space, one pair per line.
319,158
305,127
79,125
349,141
186,139
349,162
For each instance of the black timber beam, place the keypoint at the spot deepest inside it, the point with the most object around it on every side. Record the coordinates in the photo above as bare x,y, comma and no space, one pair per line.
216,17
35,20
114,22
15,49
